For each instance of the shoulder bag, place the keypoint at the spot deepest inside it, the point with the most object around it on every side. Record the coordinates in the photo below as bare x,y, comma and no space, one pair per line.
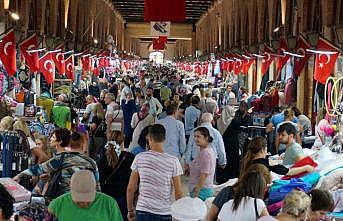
256,212
53,190
115,169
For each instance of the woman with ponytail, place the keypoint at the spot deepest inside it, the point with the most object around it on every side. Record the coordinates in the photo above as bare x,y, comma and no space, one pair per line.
257,153
114,168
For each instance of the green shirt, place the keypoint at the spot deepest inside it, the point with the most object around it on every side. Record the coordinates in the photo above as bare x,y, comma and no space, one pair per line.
104,208
60,115
165,93
292,152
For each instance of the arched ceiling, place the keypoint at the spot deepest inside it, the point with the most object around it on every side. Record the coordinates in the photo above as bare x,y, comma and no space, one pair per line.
133,10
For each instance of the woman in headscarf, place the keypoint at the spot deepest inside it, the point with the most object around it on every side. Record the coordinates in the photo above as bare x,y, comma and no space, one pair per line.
139,121
234,139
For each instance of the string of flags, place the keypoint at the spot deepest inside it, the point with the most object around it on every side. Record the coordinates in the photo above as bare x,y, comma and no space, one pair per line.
57,59
326,55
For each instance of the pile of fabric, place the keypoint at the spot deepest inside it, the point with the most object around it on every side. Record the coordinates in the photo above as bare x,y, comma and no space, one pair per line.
328,177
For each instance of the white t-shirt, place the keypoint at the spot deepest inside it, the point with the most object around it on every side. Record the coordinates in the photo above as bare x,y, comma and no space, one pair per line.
156,171
245,210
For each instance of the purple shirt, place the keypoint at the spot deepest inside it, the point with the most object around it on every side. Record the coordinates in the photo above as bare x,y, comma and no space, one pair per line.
204,163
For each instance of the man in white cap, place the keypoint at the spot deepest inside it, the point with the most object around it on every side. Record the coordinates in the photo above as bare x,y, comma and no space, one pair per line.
83,202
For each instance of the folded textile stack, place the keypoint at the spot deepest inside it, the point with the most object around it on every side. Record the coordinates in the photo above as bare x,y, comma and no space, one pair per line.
280,188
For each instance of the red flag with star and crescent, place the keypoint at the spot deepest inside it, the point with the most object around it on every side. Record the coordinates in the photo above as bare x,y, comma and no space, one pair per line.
300,48
238,65
86,63
247,63
30,58
69,67
8,53
267,60
58,59
281,61
46,66
325,62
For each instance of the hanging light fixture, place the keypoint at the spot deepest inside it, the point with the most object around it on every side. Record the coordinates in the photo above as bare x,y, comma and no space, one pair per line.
14,16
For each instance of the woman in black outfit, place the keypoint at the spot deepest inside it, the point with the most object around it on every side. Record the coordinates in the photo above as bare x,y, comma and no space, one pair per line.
97,132
115,171
234,140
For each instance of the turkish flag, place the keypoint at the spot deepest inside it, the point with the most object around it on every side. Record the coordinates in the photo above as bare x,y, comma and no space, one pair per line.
281,61
247,62
238,65
102,59
69,67
197,68
165,10
107,62
86,63
223,65
325,63
159,43
58,59
30,58
101,62
300,48
46,66
267,60
8,53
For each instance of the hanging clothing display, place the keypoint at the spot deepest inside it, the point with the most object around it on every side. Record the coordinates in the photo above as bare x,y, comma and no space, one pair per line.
15,153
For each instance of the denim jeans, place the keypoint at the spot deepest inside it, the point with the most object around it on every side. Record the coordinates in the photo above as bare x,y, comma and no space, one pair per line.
146,216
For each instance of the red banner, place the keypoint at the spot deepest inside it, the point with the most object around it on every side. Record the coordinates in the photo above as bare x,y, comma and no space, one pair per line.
267,60
69,67
46,66
281,61
325,62
159,43
30,58
165,10
8,53
58,59
300,48
247,62
238,65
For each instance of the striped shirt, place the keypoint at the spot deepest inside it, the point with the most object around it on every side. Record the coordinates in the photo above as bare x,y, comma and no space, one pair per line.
156,171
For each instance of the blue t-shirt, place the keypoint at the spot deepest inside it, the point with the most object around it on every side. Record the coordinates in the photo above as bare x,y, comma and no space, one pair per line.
136,150
279,118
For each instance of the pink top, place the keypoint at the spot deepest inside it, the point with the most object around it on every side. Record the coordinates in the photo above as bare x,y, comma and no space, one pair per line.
204,163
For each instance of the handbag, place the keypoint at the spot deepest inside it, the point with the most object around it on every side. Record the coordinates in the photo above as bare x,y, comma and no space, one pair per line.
96,143
116,125
53,190
115,169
